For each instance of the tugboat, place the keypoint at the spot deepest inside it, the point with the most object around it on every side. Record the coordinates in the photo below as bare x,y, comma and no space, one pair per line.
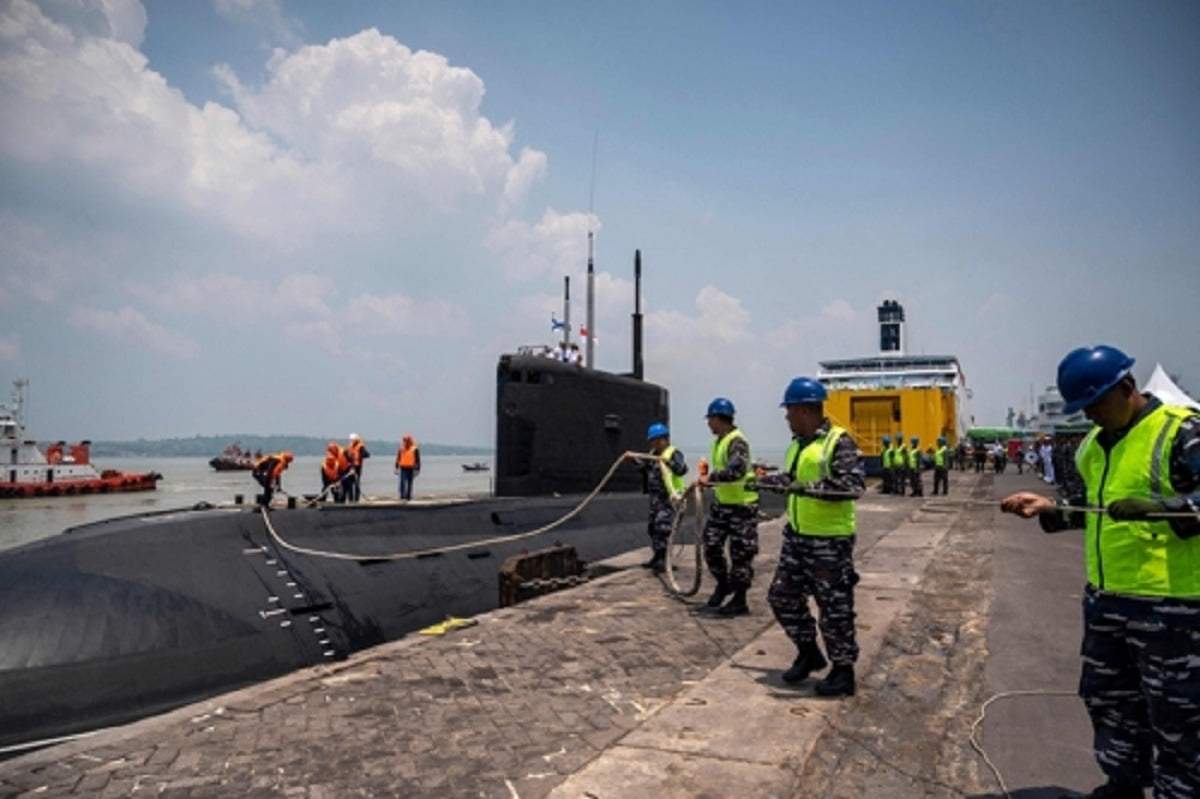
234,459
25,472
203,600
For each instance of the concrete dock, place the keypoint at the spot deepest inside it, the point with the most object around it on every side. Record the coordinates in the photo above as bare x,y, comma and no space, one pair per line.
616,689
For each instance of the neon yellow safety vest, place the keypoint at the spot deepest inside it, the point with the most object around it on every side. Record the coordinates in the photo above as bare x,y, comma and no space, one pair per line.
885,457
914,459
1144,558
673,482
730,493
939,457
809,515
901,458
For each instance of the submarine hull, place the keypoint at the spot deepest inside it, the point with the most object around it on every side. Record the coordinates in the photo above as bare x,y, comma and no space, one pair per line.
117,620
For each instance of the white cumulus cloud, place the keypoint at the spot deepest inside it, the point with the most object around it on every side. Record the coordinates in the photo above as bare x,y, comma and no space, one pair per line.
131,326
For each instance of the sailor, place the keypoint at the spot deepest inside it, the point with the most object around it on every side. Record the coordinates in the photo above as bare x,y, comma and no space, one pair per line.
823,476
333,469
664,484
885,465
356,453
941,467
914,467
1141,604
900,465
268,471
733,513
408,465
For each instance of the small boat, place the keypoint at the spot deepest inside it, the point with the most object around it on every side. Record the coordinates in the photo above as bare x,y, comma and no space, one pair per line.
61,471
478,466
234,459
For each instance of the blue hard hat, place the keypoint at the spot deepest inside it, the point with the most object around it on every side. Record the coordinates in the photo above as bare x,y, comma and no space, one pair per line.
915,439
657,430
941,440
1086,373
720,407
803,390
886,440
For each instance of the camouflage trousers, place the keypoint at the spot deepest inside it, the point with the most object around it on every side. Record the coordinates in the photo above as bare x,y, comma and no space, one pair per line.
737,525
1141,687
822,568
658,526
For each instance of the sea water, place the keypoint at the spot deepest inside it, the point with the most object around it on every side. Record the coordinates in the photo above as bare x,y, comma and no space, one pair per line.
188,481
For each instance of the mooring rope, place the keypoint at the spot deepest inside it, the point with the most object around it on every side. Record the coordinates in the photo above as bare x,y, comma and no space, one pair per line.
500,539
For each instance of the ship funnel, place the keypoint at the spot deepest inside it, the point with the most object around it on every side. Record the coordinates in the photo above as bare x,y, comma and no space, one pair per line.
891,328
637,314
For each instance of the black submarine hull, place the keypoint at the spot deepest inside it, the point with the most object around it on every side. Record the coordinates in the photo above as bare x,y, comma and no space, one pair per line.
121,619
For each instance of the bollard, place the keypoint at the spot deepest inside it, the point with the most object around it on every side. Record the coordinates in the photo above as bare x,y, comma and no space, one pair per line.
237,499
291,503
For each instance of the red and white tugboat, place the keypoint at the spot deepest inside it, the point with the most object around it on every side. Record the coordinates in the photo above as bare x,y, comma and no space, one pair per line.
61,471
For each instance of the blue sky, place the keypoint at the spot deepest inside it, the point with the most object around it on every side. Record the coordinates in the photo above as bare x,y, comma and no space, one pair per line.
317,218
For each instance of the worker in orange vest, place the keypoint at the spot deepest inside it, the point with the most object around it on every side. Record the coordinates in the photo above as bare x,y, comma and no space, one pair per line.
268,471
408,465
356,453
333,469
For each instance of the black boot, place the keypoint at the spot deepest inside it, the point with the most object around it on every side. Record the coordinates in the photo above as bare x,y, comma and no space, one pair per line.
719,593
658,564
1110,790
807,661
736,606
839,681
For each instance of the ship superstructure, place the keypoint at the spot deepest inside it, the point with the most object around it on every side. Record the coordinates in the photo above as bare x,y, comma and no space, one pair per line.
894,393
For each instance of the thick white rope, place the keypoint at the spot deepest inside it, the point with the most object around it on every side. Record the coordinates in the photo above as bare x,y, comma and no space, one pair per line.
419,553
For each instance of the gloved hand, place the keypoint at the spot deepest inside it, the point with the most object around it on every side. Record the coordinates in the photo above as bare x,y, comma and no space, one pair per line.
752,485
1132,509
801,487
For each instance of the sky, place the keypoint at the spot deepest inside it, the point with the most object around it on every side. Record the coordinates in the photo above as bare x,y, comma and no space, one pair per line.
319,218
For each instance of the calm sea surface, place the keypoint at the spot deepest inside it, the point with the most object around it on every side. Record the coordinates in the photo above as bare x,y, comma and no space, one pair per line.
187,481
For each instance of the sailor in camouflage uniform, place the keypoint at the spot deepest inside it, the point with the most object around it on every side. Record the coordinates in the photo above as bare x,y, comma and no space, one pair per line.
664,485
1141,605
823,477
732,514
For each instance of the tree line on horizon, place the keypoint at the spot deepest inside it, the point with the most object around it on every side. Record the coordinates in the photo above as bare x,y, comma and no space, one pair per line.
211,446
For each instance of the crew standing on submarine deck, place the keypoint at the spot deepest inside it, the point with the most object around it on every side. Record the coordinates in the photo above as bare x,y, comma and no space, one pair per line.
1141,605
733,513
664,484
824,476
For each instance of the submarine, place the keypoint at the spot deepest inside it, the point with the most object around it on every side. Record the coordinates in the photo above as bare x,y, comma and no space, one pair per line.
112,621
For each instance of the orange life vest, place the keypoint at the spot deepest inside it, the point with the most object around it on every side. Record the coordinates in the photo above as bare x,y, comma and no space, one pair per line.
406,458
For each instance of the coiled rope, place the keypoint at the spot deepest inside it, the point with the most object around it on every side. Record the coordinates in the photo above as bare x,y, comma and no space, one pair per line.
421,553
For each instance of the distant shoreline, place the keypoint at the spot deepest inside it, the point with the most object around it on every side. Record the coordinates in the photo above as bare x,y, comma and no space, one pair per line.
211,446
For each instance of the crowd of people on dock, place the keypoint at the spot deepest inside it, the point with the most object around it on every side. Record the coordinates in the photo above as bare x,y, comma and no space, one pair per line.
341,470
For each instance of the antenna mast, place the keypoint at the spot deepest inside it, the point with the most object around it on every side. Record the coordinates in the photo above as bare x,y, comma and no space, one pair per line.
589,339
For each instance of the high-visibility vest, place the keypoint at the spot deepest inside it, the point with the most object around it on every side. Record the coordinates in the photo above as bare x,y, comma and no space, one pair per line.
809,515
939,457
354,452
901,457
406,458
673,482
734,493
914,458
885,457
333,465
1137,557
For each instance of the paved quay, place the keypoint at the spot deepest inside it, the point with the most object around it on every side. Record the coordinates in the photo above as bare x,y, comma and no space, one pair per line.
615,689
